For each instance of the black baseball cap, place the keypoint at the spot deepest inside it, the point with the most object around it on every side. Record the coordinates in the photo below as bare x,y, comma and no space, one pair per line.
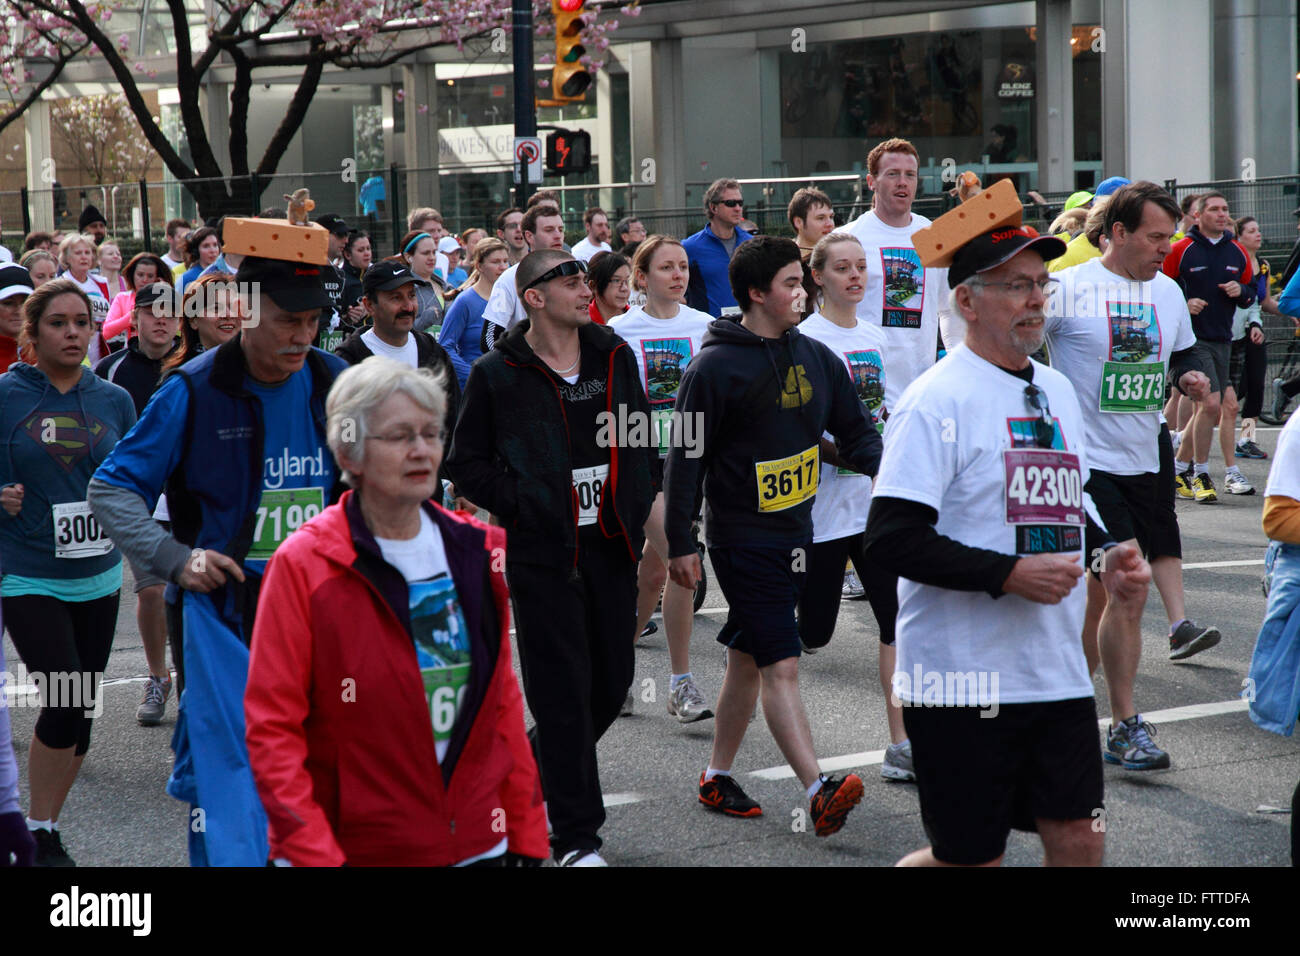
293,286
154,292
14,280
333,223
990,249
386,275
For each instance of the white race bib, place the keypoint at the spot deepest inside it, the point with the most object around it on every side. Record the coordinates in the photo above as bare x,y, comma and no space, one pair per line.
76,532
588,484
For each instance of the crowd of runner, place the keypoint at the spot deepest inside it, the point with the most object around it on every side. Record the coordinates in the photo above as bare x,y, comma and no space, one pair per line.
339,486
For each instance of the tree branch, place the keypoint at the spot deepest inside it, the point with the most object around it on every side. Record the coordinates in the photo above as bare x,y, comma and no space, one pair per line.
297,111
239,98
25,104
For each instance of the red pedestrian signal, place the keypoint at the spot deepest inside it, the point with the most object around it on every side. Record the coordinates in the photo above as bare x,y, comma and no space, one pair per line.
568,151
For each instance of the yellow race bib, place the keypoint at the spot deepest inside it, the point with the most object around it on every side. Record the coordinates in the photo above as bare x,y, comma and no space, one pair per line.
786,482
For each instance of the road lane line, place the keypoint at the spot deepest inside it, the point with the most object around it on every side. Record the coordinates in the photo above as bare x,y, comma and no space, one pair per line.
1222,564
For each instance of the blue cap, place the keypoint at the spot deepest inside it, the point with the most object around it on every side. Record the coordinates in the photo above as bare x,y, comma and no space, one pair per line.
1114,184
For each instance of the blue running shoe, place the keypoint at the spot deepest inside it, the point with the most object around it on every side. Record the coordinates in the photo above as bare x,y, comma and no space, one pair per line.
1130,745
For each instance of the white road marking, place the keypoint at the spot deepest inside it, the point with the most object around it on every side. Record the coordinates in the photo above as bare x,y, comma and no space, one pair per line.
1222,564
619,799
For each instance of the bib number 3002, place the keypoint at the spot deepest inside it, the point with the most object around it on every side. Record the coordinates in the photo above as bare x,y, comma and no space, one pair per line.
76,532
1043,487
786,482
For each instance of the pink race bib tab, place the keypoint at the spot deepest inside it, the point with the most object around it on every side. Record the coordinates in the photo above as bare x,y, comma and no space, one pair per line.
1043,487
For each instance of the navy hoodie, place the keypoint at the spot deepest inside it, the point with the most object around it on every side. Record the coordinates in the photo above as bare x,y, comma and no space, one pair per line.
52,445
1199,266
758,400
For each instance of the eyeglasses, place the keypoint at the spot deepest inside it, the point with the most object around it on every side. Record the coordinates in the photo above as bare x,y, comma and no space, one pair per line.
1020,287
1045,426
431,436
733,203
571,267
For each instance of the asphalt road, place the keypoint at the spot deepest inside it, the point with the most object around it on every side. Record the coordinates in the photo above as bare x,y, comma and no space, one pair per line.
1204,811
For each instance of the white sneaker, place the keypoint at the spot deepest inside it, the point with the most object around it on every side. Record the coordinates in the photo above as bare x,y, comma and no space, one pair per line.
1236,484
852,589
582,858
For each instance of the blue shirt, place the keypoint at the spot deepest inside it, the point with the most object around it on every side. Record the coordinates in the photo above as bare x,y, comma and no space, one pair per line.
372,191
458,275
461,327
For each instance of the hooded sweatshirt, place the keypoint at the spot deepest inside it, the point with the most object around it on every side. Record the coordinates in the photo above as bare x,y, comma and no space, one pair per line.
53,443
759,402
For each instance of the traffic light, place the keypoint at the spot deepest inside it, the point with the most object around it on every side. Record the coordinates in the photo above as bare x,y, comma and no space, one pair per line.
568,151
569,78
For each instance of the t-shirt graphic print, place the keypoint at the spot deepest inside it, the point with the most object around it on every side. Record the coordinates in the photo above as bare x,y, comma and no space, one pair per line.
904,288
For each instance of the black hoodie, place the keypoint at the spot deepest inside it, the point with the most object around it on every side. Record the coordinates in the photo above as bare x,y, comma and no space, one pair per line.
742,390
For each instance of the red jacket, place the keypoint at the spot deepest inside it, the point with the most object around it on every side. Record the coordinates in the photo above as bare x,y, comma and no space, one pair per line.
338,725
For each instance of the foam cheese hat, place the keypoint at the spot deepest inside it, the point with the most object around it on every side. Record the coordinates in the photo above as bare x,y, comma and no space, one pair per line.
996,206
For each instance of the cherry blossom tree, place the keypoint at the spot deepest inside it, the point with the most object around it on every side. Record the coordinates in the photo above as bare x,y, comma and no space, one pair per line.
39,38
103,137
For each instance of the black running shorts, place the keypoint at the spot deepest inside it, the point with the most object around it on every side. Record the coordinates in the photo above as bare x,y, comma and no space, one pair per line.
979,777
1137,507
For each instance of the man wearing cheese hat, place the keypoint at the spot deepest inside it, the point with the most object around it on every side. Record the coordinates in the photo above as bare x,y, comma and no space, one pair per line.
236,437
980,506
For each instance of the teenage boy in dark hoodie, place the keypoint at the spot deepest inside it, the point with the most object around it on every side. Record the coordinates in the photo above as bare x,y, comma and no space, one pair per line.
762,396
530,447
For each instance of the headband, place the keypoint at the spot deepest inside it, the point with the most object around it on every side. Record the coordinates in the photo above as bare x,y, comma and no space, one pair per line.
411,245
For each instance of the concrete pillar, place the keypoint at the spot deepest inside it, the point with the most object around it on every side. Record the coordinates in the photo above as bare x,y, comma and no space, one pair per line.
1054,96
40,166
215,98
658,134
602,142
1158,58
1255,89
421,86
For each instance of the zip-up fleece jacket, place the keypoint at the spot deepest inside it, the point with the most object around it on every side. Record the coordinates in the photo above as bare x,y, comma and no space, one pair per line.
355,778
53,442
510,451
708,289
1199,266
758,400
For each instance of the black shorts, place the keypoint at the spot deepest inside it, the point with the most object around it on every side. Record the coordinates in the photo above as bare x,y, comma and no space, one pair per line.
980,777
1137,506
1214,358
762,588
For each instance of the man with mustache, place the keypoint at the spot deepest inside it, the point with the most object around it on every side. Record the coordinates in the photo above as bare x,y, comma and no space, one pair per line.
237,439
389,292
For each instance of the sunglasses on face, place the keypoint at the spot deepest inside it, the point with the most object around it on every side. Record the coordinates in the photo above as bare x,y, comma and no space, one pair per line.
1045,426
572,267
733,203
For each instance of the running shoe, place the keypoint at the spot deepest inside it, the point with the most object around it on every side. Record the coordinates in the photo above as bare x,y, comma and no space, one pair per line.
1280,401
1203,489
832,803
650,628
897,764
49,849
1248,449
807,649
582,858
687,704
852,589
723,794
1183,484
1236,484
1190,638
1130,746
154,705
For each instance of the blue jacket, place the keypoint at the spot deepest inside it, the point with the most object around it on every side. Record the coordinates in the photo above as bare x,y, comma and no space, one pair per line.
1273,687
52,444
709,288
1289,302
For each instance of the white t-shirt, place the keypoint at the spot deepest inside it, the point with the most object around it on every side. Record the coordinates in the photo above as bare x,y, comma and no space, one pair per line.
1284,474
906,307
408,353
171,263
6,255
663,348
1112,338
584,249
844,498
503,306
961,440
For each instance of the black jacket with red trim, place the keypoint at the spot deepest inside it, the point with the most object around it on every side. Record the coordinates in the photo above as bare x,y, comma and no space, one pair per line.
510,450
1199,267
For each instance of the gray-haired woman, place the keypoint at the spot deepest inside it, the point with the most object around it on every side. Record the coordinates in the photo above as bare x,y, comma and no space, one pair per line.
385,725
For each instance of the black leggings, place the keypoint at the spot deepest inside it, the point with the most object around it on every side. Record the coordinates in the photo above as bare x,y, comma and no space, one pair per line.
819,602
1249,361
68,642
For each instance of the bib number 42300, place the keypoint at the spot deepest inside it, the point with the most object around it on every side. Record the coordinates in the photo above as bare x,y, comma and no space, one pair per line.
1043,487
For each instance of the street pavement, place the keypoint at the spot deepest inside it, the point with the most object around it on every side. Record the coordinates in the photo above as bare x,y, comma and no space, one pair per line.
1207,810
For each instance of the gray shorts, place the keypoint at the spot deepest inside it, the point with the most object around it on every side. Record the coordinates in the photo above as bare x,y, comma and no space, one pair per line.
1215,356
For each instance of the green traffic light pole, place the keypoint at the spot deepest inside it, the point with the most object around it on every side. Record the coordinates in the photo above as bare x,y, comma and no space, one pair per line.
521,14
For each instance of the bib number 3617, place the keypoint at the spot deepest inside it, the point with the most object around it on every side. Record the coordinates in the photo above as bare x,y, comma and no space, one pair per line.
786,482
76,532
1043,487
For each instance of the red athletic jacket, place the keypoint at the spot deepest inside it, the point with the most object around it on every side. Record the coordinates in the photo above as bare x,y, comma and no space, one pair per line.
339,731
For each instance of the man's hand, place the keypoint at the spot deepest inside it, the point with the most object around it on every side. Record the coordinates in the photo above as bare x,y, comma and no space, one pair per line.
1231,289
206,571
1124,573
830,454
1044,578
11,498
685,570
1195,306
1257,335
1195,385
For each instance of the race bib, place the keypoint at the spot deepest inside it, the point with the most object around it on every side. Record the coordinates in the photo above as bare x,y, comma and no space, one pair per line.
280,513
1132,387
662,420
588,483
445,687
786,482
331,340
76,532
1043,487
